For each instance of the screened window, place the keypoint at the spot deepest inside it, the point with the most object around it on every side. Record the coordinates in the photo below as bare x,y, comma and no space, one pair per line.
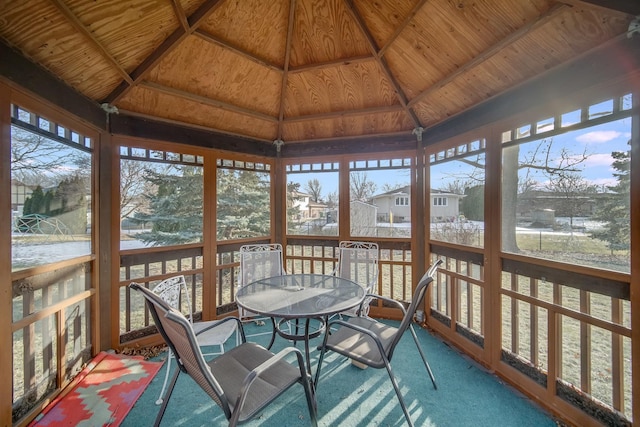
570,197
402,201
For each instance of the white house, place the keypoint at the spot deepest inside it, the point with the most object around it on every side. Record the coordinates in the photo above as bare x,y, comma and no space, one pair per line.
395,205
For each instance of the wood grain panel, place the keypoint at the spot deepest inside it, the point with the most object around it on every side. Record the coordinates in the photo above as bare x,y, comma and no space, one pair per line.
324,31
57,46
443,36
220,74
383,17
372,124
189,6
539,51
130,30
257,26
148,102
339,88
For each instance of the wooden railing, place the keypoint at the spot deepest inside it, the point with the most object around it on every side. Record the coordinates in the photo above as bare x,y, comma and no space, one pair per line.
565,335
51,331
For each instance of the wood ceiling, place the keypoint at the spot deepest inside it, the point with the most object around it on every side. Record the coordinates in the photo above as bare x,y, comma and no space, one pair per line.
305,70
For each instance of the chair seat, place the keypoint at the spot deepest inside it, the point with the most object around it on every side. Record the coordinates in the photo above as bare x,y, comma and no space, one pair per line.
231,368
213,332
361,347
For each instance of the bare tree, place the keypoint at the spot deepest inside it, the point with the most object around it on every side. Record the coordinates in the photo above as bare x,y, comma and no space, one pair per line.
575,191
361,187
36,160
314,188
133,187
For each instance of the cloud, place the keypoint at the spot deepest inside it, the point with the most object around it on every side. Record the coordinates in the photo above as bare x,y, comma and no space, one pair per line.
598,137
600,159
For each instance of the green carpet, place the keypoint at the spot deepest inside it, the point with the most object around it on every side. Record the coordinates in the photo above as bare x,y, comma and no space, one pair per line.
467,395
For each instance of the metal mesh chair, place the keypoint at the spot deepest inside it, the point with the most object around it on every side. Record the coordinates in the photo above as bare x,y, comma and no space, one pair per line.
257,262
372,343
242,381
358,261
174,292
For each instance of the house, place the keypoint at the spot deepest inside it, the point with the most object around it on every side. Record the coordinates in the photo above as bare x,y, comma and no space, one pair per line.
395,205
308,209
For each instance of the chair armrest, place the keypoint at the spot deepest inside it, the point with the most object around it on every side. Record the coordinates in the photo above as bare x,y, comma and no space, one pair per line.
397,304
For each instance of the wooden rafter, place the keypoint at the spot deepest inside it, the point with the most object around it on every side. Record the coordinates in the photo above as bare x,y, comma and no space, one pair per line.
64,9
164,49
204,35
335,114
492,50
179,11
382,63
330,64
285,74
205,100
402,26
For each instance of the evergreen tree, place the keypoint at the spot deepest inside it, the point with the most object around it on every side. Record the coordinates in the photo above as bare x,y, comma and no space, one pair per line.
244,208
473,203
615,211
175,211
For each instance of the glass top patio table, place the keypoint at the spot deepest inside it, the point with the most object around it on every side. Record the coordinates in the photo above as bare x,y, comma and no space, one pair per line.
294,296
300,296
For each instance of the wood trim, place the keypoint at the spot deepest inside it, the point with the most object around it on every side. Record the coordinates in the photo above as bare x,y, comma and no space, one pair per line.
287,60
402,26
6,300
635,252
204,35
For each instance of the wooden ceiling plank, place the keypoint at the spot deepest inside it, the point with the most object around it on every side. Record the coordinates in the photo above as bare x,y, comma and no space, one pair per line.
216,40
68,14
402,26
165,48
382,62
334,114
206,100
285,74
331,64
492,50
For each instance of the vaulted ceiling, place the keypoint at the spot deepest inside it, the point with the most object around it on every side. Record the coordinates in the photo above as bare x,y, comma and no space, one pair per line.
305,70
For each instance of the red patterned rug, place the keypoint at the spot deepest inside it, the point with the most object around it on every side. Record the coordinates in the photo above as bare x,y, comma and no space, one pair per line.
102,394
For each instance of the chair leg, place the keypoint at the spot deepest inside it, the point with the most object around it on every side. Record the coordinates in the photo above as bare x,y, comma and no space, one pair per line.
397,389
166,377
166,399
424,359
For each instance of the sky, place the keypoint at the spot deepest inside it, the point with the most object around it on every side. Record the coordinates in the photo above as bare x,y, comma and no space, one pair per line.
596,143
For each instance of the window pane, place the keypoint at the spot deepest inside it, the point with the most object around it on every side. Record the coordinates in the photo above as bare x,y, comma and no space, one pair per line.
380,200
456,199
570,197
50,199
160,203
244,203
312,199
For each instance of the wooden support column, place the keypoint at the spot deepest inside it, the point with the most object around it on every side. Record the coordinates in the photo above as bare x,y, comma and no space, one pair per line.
209,239
635,252
492,314
6,336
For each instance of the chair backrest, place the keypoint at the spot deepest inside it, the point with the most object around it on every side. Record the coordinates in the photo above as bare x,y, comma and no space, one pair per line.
177,332
259,262
416,301
358,261
171,289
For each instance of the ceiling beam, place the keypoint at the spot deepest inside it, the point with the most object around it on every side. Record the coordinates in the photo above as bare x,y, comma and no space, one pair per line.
64,9
287,59
347,113
179,11
164,49
402,26
331,64
492,50
248,55
206,101
382,63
